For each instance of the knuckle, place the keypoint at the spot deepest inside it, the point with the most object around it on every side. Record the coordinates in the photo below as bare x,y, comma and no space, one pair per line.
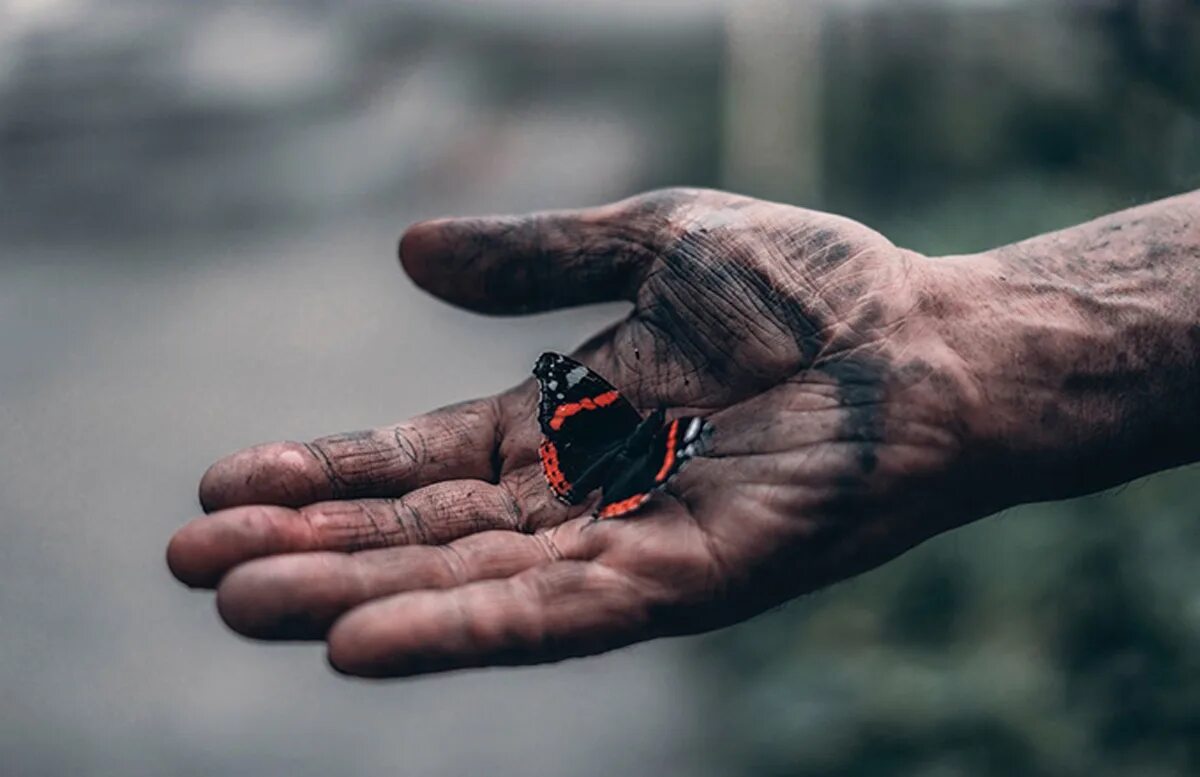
453,564
409,527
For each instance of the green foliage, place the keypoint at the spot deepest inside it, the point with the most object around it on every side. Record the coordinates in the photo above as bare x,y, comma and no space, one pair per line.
1055,639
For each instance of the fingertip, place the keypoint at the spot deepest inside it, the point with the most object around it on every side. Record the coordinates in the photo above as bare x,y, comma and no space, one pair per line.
248,602
345,647
283,473
369,641
188,555
332,663
231,603
419,246
211,487
289,597
338,662
202,552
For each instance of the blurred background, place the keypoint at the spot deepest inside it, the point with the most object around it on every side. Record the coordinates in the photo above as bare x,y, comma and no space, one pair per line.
199,205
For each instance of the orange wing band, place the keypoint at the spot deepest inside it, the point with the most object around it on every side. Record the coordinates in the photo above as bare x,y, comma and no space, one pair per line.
554,474
563,412
669,459
624,506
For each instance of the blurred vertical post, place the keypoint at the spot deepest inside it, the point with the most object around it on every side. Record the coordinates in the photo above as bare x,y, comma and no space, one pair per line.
1165,40
772,99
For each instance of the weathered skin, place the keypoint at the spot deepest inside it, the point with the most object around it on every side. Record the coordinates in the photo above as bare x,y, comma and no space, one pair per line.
864,398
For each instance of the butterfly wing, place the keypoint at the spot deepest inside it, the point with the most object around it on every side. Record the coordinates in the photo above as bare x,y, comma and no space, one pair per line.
644,471
584,422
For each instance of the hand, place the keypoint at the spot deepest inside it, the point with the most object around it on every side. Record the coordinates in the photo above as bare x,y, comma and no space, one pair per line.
809,340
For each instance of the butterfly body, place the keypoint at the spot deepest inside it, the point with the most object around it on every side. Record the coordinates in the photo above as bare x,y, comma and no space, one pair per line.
594,438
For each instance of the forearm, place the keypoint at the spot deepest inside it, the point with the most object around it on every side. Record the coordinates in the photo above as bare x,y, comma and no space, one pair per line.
1082,349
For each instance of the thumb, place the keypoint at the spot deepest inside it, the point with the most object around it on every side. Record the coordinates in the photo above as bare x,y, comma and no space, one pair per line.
553,259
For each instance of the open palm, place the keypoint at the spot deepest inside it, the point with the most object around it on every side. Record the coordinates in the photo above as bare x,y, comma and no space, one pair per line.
807,339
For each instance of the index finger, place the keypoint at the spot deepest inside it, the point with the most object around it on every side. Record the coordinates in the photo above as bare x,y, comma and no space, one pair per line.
455,442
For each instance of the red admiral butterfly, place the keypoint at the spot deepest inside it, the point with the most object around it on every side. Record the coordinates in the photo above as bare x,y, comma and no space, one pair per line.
595,439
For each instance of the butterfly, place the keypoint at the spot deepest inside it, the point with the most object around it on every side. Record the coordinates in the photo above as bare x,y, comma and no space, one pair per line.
594,438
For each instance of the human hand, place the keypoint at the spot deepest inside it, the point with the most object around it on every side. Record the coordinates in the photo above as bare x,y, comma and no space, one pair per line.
810,342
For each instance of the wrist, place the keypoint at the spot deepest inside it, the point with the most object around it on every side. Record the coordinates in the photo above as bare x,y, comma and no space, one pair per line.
1082,350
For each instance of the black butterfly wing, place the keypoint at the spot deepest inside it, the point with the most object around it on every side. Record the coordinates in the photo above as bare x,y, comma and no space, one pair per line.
584,422
639,472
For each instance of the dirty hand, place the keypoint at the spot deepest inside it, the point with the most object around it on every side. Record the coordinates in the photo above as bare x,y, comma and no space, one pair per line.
846,411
